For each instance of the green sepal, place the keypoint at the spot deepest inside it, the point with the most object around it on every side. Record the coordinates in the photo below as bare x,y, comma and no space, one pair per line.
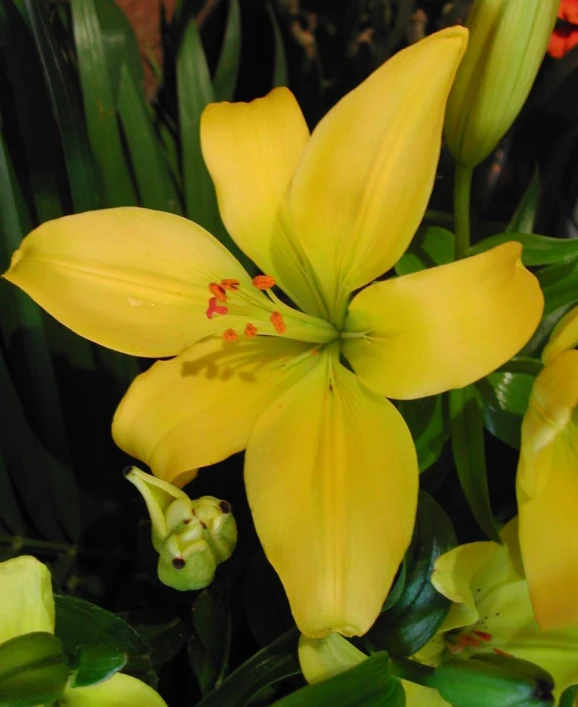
33,670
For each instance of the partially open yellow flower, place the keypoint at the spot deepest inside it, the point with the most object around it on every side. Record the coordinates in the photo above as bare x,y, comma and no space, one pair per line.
27,605
330,470
547,481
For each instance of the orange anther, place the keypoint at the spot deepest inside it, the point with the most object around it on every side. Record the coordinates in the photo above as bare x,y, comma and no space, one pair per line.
483,635
250,330
470,641
215,308
230,335
218,292
264,282
278,323
229,284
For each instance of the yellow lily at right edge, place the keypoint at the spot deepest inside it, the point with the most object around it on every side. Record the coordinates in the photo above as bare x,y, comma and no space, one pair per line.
547,482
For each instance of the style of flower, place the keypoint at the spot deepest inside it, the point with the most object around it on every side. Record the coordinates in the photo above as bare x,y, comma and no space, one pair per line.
330,468
492,612
547,481
27,606
565,35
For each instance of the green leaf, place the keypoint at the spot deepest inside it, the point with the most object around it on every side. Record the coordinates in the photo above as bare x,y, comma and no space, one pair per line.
9,508
369,684
38,134
100,106
275,662
418,614
560,285
467,435
210,645
152,173
33,670
425,420
568,696
525,215
95,664
36,475
66,107
505,398
431,246
80,624
280,72
162,631
227,70
537,250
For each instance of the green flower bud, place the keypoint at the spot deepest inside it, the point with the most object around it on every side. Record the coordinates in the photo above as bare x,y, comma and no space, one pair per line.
487,680
508,40
191,536
33,670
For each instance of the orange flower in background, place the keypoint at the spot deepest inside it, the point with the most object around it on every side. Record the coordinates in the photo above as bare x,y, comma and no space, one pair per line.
565,35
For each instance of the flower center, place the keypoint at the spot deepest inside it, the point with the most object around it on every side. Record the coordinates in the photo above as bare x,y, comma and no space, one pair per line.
255,314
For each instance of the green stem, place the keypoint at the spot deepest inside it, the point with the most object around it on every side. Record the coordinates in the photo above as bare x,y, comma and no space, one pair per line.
407,669
18,542
462,189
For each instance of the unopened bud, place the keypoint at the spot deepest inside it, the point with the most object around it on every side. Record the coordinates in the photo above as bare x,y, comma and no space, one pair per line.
33,670
508,40
191,536
487,680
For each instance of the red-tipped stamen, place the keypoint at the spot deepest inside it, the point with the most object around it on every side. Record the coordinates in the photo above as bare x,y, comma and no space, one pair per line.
264,282
215,308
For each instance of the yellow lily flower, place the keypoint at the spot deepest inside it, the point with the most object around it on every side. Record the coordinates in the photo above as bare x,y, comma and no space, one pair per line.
28,605
547,481
330,469
492,612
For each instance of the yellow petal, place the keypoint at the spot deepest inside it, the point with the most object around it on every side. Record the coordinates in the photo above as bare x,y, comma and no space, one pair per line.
118,691
419,696
331,478
27,604
131,279
323,658
563,337
200,407
367,173
251,151
552,403
443,328
464,575
547,489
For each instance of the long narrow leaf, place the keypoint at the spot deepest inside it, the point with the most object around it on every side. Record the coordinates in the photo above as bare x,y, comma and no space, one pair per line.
152,173
99,106
467,435
66,107
280,77
230,57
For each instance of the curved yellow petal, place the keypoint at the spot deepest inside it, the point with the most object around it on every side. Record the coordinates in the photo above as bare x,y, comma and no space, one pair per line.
443,328
465,574
331,477
420,696
251,151
27,604
563,337
199,408
366,176
118,691
323,658
547,490
132,279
